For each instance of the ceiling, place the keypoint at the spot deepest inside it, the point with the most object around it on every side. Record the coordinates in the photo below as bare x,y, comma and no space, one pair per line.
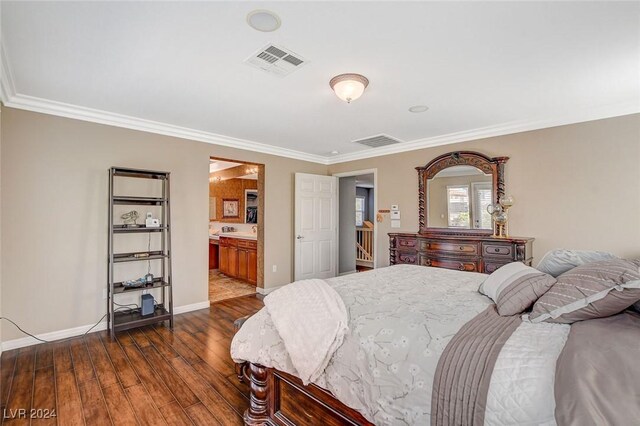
176,68
218,165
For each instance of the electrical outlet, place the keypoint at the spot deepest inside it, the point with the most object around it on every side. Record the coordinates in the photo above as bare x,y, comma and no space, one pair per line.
275,268
104,294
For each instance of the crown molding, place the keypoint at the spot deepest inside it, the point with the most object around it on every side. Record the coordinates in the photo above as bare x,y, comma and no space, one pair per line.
11,98
621,109
61,109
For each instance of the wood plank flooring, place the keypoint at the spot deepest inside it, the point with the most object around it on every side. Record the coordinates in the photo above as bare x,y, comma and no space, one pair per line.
146,376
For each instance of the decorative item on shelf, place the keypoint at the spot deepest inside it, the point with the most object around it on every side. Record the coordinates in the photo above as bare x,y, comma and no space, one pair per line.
349,87
150,222
499,213
130,218
148,279
140,282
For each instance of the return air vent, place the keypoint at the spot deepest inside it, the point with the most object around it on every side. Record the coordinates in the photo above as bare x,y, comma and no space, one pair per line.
377,141
276,60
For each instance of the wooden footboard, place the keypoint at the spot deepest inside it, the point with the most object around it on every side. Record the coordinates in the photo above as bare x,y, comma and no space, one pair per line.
278,398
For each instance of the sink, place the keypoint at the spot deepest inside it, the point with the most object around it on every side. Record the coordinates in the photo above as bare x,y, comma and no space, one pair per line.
240,235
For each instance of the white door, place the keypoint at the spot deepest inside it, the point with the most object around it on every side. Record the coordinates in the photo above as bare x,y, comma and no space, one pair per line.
482,197
315,226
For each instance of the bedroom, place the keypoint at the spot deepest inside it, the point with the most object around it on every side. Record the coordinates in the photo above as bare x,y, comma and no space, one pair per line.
89,86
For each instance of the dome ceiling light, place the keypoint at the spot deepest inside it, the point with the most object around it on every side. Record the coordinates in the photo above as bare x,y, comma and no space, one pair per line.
263,20
349,87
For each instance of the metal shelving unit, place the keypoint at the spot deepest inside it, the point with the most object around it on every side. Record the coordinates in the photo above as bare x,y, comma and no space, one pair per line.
118,320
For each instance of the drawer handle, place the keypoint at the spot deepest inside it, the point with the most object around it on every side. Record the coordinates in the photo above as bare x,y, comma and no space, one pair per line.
497,250
427,262
307,414
461,247
461,267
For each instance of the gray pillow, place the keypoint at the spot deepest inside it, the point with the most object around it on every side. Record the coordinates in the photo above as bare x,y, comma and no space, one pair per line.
557,262
515,287
593,290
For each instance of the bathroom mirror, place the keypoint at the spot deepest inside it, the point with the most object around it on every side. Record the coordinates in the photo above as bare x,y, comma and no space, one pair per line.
251,206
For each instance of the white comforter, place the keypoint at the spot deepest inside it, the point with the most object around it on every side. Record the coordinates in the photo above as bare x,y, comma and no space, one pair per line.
312,328
400,320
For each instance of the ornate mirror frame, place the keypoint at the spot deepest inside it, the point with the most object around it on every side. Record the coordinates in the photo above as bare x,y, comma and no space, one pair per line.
488,165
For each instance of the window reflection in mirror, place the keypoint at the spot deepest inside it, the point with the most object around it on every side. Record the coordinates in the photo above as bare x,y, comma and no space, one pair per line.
457,197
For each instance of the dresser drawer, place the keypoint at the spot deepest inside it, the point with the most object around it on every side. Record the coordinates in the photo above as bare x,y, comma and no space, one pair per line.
498,250
407,258
406,243
250,244
459,265
302,409
464,248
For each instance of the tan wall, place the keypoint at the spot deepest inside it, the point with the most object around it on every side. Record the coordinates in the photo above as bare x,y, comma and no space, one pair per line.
1,233
231,189
575,186
437,194
54,214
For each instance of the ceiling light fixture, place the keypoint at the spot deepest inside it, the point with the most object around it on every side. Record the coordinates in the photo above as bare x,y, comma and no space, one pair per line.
334,152
263,20
418,108
349,87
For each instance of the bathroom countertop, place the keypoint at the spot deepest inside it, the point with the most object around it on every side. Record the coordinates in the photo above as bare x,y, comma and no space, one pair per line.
240,235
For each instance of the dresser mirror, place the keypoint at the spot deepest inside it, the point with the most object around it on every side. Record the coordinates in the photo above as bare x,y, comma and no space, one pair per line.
455,190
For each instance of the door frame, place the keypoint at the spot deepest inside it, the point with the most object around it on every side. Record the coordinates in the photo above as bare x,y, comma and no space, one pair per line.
375,209
261,216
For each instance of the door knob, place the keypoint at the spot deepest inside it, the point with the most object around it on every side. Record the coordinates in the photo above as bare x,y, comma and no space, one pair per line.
299,237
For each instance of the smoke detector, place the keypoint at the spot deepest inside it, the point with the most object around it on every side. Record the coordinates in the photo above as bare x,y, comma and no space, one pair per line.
276,60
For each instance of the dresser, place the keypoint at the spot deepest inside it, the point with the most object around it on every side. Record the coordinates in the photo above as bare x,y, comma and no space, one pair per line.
470,253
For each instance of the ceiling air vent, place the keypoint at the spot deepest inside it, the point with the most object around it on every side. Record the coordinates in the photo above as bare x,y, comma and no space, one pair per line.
377,141
276,60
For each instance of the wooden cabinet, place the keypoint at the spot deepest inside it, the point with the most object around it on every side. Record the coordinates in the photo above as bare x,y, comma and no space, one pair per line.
239,259
252,266
223,258
472,253
213,254
242,264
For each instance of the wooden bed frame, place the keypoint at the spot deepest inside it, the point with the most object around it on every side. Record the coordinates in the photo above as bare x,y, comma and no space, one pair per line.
278,398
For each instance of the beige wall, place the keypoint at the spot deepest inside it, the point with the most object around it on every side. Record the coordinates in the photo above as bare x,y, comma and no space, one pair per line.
575,186
54,213
1,233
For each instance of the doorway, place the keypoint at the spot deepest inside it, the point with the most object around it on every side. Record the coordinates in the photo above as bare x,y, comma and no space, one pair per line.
236,231
357,225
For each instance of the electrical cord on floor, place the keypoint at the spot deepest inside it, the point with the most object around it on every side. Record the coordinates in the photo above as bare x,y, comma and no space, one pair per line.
62,340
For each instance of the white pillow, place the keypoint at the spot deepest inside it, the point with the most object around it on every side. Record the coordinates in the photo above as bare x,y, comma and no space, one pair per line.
502,277
557,262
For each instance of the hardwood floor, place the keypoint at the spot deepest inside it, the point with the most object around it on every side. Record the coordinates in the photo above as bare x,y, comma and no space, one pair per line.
147,376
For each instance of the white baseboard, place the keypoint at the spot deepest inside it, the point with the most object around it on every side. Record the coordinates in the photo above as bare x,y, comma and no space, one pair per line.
347,273
192,307
77,331
265,291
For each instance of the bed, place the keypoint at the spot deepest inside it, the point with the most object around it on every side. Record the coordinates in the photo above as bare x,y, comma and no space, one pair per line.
422,346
